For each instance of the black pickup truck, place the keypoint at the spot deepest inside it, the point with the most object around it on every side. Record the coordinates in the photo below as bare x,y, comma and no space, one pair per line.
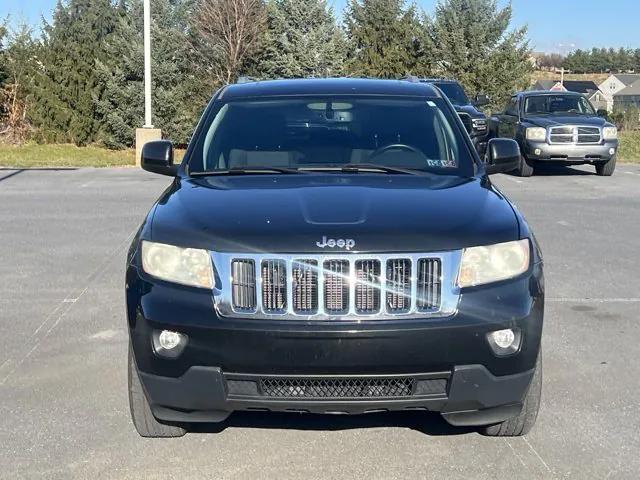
333,246
553,127
474,119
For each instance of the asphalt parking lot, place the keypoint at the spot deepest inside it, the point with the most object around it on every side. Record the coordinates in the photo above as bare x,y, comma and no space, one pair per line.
63,399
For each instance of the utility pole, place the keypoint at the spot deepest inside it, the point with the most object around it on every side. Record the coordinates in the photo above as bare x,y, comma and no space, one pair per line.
147,133
147,64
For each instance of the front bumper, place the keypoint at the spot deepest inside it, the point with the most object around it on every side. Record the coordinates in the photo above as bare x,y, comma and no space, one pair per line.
478,387
542,151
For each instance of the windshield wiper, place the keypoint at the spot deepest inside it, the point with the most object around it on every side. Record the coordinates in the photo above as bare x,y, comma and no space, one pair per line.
364,167
247,171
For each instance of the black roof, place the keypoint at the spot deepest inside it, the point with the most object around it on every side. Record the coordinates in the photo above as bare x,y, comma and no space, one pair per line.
328,86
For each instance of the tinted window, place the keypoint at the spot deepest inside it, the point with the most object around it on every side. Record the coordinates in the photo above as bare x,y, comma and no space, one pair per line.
454,92
416,133
547,104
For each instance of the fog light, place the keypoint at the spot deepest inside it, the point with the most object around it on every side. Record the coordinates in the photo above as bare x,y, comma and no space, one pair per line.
537,151
612,151
505,342
169,340
167,343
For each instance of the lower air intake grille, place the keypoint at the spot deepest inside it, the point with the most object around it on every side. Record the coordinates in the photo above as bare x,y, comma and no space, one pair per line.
243,282
336,387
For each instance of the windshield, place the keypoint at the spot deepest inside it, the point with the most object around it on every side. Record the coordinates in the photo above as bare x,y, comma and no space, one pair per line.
454,93
548,104
315,133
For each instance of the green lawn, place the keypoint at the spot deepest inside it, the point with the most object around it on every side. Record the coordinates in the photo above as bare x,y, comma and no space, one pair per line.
32,155
629,147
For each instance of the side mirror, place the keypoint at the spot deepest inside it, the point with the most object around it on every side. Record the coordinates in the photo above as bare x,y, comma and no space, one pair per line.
481,100
602,113
503,155
157,157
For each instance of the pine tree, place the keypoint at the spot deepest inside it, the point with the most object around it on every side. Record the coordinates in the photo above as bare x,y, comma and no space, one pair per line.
178,93
68,86
383,38
473,44
302,40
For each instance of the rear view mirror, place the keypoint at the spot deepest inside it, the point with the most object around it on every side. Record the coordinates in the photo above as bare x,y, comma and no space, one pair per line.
503,155
157,157
481,100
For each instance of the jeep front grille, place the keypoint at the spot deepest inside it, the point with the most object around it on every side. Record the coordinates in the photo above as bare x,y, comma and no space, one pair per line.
337,287
577,135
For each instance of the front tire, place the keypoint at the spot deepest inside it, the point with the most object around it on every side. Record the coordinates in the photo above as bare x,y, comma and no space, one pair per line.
606,169
524,169
143,419
523,423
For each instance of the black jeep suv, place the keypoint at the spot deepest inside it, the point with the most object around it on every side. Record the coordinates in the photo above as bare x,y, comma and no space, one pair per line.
553,127
333,246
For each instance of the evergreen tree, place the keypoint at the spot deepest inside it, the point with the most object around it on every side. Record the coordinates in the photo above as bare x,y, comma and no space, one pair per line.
68,85
3,63
178,93
473,44
302,40
383,38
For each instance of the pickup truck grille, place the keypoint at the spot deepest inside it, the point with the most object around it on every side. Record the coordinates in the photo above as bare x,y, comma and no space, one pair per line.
574,135
341,286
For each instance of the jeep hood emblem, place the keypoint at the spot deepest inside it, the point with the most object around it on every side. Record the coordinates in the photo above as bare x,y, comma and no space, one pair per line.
346,243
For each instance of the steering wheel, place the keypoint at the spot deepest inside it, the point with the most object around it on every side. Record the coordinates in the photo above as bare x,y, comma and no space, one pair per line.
394,146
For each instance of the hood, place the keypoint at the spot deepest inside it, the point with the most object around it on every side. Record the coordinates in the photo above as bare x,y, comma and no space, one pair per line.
470,110
553,120
291,213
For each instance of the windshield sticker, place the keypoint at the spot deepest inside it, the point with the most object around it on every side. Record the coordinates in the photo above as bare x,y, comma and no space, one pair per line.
441,163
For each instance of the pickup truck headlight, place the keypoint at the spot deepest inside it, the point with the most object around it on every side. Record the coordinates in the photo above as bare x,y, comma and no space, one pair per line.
609,133
481,265
538,134
187,266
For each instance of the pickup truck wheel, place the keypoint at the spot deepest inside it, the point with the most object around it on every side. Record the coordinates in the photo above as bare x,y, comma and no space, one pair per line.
524,169
606,169
143,419
522,424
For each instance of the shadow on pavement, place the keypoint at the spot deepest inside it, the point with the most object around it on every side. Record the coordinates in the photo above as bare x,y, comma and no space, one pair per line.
558,170
424,422
16,171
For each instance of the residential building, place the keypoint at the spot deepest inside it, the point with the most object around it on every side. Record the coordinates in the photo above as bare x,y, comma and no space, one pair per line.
615,84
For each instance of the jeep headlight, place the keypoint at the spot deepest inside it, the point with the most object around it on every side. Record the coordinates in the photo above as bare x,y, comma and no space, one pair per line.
481,265
609,133
187,266
537,134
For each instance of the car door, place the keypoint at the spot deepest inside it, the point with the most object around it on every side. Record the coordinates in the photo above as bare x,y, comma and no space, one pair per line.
508,123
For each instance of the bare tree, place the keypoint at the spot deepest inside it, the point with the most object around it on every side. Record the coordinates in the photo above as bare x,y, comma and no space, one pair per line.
229,32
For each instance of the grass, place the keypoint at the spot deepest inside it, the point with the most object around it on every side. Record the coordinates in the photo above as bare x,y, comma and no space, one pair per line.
629,146
33,155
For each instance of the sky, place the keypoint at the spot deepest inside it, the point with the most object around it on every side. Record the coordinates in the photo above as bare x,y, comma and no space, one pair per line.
557,26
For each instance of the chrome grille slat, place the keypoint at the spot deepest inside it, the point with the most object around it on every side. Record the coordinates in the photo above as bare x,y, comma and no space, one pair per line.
398,285
244,285
274,285
367,288
342,286
337,286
